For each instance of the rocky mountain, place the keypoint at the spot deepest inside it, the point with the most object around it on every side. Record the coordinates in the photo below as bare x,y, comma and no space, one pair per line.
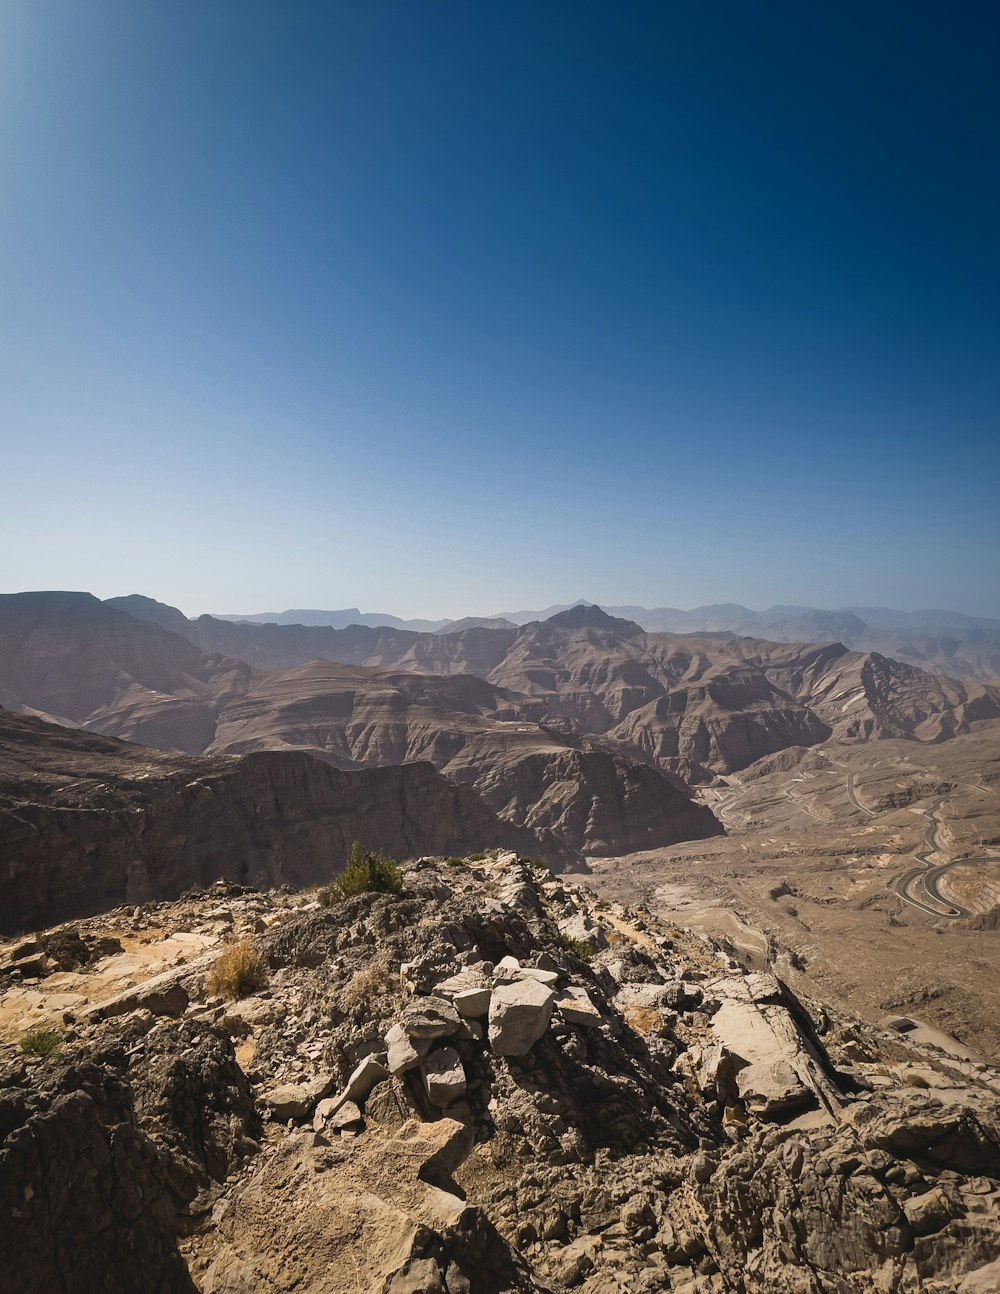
88,822
75,659
334,619
492,1082
565,787
693,706
941,642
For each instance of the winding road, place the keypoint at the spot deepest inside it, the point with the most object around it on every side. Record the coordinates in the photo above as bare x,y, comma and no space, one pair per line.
925,876
919,885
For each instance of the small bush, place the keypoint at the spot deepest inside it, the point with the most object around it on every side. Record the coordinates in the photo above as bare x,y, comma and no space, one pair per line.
477,858
41,1042
365,873
456,862
365,984
578,947
240,971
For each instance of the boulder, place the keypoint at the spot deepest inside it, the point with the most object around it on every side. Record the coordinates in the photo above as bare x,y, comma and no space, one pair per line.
575,1007
928,1212
581,929
468,991
519,1014
429,1018
287,1101
402,1054
331,1115
444,1077
473,1003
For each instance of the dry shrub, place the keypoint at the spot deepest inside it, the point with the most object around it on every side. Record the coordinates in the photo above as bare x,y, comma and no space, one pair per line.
239,971
365,984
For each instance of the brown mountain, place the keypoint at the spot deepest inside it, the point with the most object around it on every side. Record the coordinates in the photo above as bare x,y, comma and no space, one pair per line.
88,822
568,788
78,660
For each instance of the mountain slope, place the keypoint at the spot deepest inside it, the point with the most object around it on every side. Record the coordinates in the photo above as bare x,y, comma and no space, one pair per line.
567,788
77,659
88,822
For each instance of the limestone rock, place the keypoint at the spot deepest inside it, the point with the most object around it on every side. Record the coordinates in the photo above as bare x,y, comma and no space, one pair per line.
469,992
402,1054
296,1100
333,1114
370,1072
519,1014
429,1018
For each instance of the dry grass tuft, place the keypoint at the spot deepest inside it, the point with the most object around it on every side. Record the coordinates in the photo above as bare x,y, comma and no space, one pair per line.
41,1043
365,984
240,971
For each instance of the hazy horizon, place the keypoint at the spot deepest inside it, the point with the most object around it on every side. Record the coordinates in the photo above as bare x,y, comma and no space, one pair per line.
433,614
469,306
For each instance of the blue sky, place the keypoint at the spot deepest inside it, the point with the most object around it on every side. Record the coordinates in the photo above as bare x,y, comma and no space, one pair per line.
436,308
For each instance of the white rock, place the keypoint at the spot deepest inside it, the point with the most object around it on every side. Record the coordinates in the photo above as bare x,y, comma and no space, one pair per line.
519,1015
546,977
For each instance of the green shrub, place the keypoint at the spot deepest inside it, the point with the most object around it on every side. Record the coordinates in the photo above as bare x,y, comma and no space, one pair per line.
477,858
455,862
578,947
365,873
41,1042
239,971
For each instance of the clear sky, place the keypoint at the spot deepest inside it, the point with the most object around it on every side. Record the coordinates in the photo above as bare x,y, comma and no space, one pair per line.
440,307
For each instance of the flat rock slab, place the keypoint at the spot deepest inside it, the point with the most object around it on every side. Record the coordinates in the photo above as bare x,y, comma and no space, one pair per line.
428,1018
368,1074
777,1069
402,1054
332,1116
519,1014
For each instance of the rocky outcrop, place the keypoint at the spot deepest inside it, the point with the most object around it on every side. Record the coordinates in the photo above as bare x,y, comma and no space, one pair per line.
666,1121
83,1189
87,822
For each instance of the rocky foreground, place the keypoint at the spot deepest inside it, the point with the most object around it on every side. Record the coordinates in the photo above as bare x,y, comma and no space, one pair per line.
490,1082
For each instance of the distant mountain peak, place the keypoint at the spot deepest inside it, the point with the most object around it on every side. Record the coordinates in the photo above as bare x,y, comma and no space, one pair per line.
590,616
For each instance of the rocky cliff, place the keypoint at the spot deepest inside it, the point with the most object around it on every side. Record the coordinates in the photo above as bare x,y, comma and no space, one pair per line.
87,822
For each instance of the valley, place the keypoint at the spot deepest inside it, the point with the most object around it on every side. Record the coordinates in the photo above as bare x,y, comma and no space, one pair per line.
869,876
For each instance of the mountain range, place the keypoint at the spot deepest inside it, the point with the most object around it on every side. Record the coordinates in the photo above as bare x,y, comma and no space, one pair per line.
584,728
939,641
